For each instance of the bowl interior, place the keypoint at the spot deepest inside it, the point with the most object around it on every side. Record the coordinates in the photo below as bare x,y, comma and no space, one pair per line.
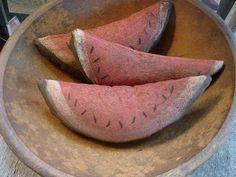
190,33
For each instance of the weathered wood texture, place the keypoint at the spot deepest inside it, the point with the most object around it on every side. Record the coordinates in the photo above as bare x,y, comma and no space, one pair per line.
231,17
222,164
24,6
224,8
10,165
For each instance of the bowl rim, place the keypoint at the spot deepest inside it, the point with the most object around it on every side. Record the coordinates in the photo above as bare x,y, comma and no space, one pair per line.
44,169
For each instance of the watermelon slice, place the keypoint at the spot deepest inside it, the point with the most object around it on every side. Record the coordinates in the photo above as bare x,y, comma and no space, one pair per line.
146,26
107,63
121,113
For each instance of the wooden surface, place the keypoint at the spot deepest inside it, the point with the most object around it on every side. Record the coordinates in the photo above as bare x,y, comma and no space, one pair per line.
10,165
222,164
24,6
224,8
231,17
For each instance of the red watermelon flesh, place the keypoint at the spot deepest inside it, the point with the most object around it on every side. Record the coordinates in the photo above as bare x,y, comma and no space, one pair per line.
139,31
121,113
109,63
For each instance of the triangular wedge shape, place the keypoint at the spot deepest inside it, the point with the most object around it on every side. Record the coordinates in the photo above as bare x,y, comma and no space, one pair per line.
139,31
121,113
108,63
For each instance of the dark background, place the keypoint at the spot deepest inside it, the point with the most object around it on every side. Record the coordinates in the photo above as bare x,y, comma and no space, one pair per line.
3,27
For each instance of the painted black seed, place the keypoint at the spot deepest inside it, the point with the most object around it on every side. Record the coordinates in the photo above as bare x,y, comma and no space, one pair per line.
145,115
153,14
84,112
155,108
131,47
149,23
140,40
94,119
69,96
68,45
163,96
121,125
91,50
97,59
75,102
172,89
146,32
134,119
108,124
98,71
111,84
104,77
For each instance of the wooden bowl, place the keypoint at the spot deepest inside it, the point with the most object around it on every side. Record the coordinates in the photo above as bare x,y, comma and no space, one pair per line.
41,141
